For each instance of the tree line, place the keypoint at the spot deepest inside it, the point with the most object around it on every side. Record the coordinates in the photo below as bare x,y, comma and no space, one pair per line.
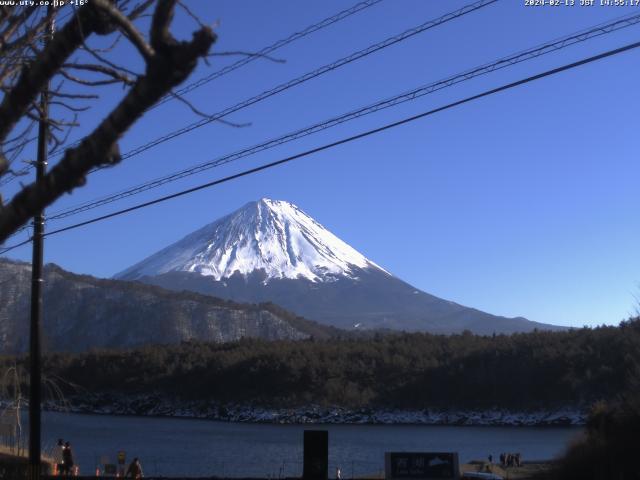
522,371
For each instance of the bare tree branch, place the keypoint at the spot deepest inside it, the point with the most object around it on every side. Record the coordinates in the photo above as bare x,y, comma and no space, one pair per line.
57,142
95,53
191,14
126,27
4,164
85,96
140,9
200,113
110,48
45,66
5,12
13,24
88,83
27,38
18,137
53,123
162,17
172,62
110,72
71,108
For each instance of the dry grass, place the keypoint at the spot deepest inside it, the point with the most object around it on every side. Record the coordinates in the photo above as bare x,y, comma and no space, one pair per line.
9,457
4,450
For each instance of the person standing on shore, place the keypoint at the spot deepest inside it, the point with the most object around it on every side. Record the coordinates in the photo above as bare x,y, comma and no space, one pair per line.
67,459
135,469
57,456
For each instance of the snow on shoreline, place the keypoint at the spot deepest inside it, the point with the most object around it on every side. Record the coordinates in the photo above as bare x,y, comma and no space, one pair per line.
149,405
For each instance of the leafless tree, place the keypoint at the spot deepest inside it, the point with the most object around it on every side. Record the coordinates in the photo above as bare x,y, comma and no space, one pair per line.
12,398
13,379
76,60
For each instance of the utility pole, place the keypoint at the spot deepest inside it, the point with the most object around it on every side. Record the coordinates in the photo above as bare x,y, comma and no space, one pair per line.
37,281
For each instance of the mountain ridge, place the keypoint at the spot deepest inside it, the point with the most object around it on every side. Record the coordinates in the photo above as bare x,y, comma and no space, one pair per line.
83,312
270,250
371,303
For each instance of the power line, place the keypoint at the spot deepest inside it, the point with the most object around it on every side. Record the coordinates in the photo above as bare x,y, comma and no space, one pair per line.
17,150
524,55
301,79
10,176
272,48
352,138
13,247
311,75
263,52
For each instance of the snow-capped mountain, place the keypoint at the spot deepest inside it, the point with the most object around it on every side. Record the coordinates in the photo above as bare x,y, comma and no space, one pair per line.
271,251
270,235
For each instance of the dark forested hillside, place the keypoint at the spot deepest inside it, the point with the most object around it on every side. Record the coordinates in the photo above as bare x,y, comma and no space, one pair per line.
533,370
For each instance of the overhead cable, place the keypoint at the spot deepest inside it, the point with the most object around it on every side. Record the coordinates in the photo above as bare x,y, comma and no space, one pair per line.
352,138
504,62
311,75
262,53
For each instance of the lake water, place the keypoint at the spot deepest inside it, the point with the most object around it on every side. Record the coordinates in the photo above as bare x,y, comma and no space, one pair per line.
168,446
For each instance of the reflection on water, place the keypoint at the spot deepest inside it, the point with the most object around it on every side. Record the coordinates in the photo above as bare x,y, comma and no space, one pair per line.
199,447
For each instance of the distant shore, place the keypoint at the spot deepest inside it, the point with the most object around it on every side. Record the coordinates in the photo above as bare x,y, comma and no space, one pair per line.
312,414
527,470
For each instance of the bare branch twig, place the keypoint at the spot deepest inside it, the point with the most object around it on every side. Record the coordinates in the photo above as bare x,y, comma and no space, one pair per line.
171,64
33,79
126,27
113,73
205,115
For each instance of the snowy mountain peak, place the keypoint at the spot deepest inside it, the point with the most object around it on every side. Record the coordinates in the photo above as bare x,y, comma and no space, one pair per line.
270,235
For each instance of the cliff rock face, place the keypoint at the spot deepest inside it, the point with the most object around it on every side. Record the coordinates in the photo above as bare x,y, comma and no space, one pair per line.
82,312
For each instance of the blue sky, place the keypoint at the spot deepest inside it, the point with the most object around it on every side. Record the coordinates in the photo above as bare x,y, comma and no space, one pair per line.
523,203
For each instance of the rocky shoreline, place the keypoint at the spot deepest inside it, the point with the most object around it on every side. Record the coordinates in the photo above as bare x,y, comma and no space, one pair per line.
150,405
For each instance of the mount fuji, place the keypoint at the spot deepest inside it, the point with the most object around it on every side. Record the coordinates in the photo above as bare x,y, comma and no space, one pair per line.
273,236
271,251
